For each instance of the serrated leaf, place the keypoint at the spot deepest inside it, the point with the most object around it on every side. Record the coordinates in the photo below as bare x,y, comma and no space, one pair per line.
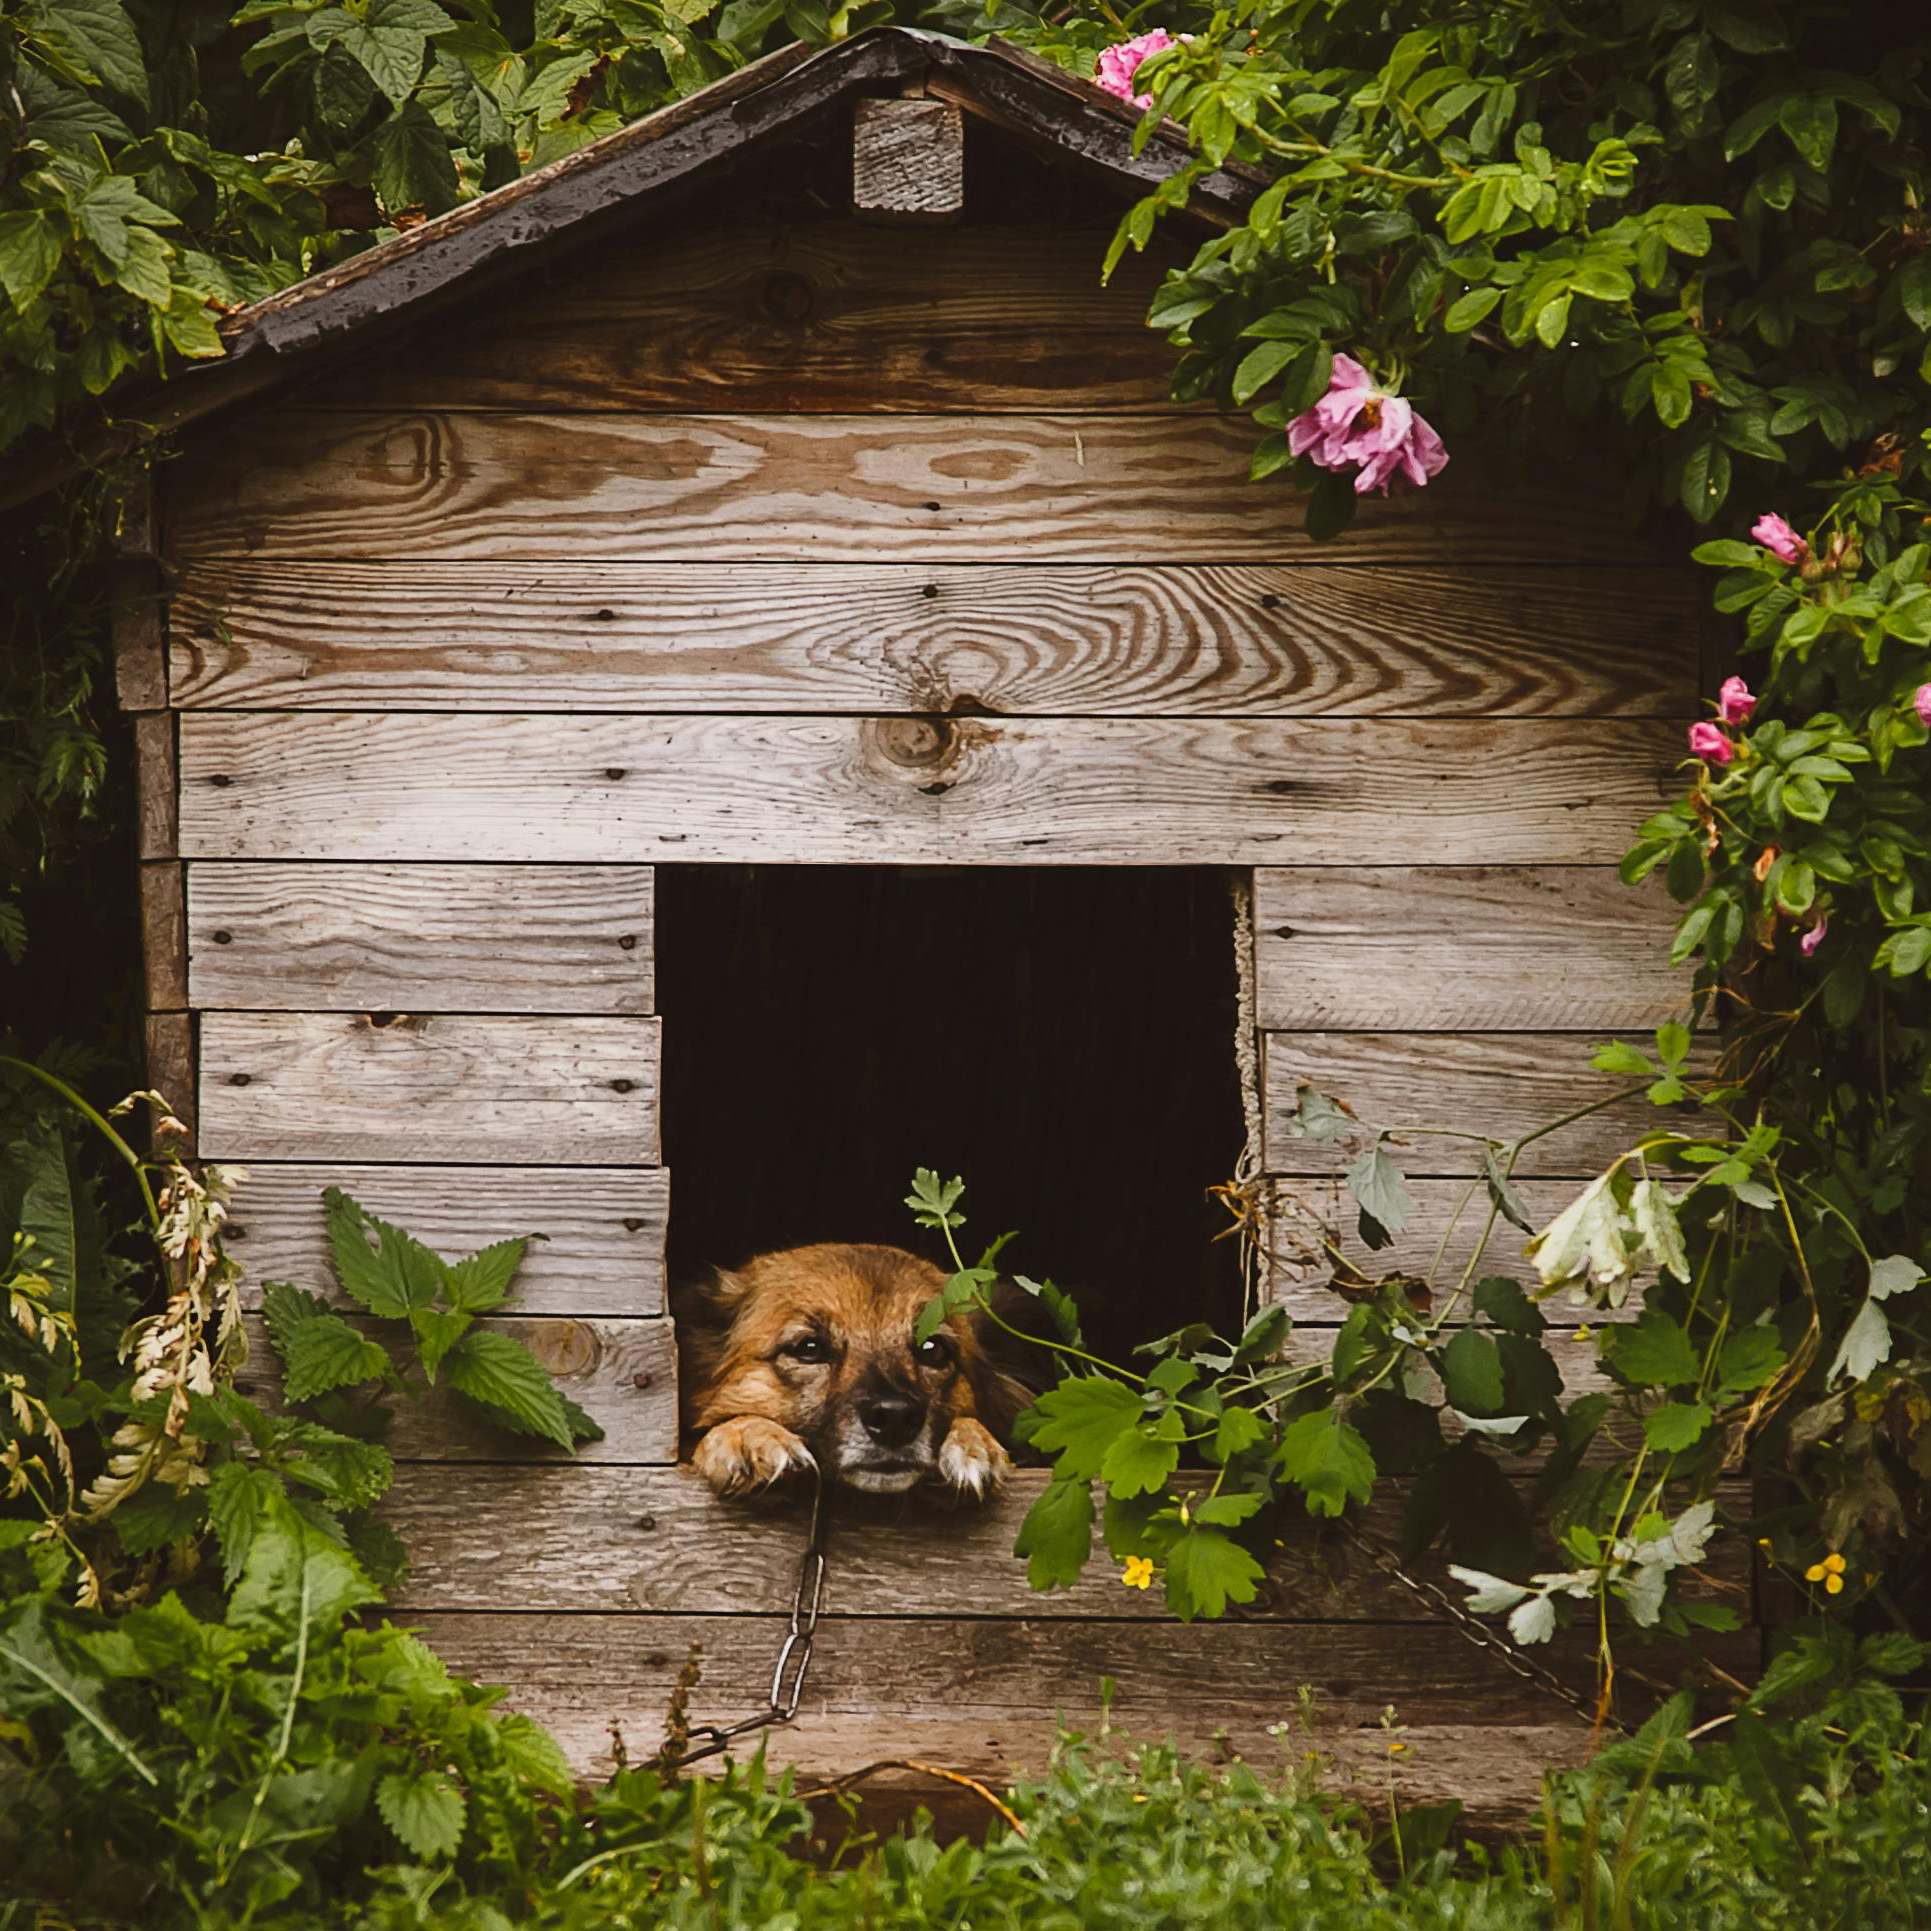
1206,1571
410,162
533,1755
482,1281
1238,1430
323,1352
1895,1274
1654,1352
29,255
437,1330
1749,1359
294,1577
1488,1595
1328,1461
98,37
425,1810
1381,1195
391,57
240,1495
509,1384
1139,1460
1227,1511
1057,1535
1079,1421
387,1271
1676,1425
1534,1621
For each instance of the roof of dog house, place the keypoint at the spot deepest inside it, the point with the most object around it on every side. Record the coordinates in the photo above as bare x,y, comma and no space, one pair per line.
774,483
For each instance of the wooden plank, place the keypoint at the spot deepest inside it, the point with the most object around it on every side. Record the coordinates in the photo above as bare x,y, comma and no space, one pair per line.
157,791
164,935
1053,638
427,1087
170,1041
1463,949
855,489
622,1373
914,790
137,618
602,1251
473,938
1502,1085
1313,1209
814,316
656,1539
908,161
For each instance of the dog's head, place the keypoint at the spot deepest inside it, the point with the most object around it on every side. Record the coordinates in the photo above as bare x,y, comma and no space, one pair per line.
820,1340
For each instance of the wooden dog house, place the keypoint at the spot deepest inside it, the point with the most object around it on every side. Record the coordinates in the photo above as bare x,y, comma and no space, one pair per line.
678,505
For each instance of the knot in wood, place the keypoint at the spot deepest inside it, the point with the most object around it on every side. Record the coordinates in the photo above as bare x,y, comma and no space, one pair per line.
564,1347
788,298
922,744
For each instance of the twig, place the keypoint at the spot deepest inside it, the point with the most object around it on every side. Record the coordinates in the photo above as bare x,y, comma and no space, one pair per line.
851,1777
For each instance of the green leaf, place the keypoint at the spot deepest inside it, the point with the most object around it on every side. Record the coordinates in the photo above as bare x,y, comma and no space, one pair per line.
387,1271
189,326
1139,1460
97,37
320,1351
1865,1348
240,1498
1676,1425
1238,1430
1206,1571
1328,1461
29,255
425,1810
1381,1195
1330,507
1473,309
1057,1535
509,1384
1259,366
1502,1301
1706,480
1472,1373
293,1577
49,1213
1749,1359
410,163
437,1330
1654,1352
933,1202
1082,1417
483,1280
1810,120
391,56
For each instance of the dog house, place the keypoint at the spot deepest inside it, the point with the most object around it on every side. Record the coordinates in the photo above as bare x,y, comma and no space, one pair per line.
721,659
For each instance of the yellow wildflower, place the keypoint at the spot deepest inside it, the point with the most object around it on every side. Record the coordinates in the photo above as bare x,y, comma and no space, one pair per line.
1138,1573
1830,1572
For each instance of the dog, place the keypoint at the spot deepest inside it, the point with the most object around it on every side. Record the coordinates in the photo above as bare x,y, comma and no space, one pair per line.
806,1359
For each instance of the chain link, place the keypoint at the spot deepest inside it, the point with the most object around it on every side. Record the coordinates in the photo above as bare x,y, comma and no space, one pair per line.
1477,1631
794,1654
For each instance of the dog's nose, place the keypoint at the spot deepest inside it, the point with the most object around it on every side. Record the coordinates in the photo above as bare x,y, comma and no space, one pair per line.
891,1420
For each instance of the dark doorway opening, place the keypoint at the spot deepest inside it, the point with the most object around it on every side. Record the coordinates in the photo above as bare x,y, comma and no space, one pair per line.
1063,1039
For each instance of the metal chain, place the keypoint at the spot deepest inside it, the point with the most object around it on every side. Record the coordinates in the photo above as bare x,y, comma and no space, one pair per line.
794,1653
1478,1632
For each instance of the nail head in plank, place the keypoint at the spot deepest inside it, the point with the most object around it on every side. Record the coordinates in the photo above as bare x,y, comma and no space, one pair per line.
429,1087
476,938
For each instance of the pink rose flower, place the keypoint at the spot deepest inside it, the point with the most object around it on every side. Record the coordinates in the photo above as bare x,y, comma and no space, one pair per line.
1921,703
1708,743
1735,701
1779,539
1812,939
1116,66
1359,423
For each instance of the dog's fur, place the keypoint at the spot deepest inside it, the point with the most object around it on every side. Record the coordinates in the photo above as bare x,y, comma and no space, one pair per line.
805,1358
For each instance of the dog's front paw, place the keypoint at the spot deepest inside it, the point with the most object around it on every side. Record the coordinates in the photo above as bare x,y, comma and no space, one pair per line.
749,1452
972,1460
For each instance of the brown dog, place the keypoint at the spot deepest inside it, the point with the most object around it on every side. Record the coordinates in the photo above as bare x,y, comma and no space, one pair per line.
806,1358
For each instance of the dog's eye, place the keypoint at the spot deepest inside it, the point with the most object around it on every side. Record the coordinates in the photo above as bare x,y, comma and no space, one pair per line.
807,1347
934,1352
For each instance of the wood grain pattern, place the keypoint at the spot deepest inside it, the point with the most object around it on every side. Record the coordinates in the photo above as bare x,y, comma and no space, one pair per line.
908,161
1463,949
602,1251
164,935
623,1374
912,790
855,489
1052,638
814,316
408,1087
577,1537
464,938
157,788
170,1041
1312,1210
1499,1084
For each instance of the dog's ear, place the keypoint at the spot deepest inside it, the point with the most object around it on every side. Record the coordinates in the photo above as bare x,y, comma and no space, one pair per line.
710,1303
1007,1372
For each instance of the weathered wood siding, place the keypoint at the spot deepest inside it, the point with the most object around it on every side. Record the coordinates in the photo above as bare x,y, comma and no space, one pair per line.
840,544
